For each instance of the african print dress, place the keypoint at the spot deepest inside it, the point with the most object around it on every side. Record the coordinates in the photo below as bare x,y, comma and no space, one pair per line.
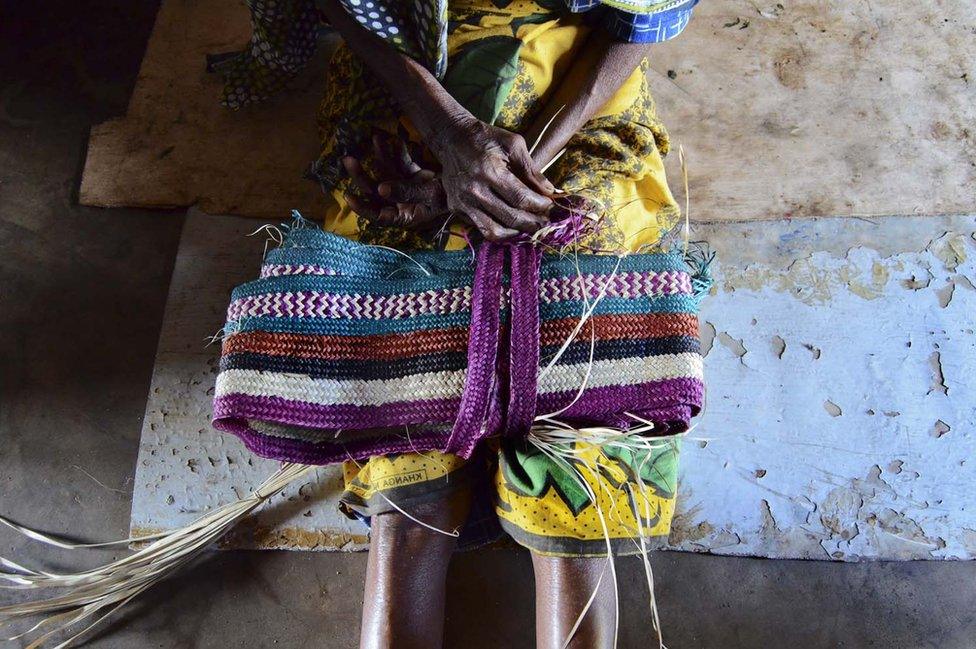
504,61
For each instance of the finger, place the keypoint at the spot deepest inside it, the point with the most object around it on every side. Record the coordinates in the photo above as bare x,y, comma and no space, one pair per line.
438,201
385,163
400,216
488,227
429,193
407,215
417,216
363,207
520,196
358,175
509,216
390,215
403,161
392,157
521,164
377,213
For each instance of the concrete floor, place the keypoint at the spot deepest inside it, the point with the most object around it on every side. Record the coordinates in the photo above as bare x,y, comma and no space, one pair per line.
81,297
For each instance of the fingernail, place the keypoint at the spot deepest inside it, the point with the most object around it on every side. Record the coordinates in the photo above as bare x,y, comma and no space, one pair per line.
384,190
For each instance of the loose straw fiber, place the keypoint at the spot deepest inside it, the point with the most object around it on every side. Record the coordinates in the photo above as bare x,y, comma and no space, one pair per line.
94,594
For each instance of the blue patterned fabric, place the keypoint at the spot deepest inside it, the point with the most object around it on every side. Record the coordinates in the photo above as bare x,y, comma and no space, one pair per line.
640,22
286,34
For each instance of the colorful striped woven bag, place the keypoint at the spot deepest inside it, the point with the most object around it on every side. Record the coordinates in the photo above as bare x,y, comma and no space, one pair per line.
343,350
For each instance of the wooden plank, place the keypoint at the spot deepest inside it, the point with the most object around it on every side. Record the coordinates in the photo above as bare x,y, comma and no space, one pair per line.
823,108
176,146
840,364
805,108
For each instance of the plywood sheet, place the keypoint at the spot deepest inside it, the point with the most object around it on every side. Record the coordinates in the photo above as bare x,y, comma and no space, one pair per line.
824,107
785,109
841,404
176,146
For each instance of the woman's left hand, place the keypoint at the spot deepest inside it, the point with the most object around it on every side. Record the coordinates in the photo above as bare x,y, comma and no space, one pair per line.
407,196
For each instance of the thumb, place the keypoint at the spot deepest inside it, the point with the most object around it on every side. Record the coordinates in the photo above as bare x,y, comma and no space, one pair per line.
523,167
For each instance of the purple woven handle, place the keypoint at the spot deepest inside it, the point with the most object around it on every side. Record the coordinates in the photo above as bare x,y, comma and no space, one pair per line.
483,336
480,412
523,340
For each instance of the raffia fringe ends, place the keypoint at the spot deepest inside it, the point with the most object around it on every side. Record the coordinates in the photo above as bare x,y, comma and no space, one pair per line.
699,257
95,594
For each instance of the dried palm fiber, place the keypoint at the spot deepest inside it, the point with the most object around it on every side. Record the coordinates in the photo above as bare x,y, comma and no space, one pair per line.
93,595
339,348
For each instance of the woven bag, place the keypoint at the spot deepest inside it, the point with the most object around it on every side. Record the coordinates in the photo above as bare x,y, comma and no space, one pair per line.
344,350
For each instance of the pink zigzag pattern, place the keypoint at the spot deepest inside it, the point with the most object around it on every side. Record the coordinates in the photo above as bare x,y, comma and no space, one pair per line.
316,304
624,285
278,270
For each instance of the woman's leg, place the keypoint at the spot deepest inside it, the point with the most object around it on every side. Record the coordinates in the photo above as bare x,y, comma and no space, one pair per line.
403,606
563,586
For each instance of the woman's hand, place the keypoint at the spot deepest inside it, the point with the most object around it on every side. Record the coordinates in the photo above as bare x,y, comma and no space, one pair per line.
488,176
405,194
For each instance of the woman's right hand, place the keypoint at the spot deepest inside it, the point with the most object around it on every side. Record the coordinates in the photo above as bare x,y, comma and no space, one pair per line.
488,176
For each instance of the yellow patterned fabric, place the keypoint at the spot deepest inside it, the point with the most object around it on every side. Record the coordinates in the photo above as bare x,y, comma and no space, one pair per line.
615,159
402,478
540,503
546,509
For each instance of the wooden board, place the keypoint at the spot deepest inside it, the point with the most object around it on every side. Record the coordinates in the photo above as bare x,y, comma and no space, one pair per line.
840,364
177,146
824,107
785,109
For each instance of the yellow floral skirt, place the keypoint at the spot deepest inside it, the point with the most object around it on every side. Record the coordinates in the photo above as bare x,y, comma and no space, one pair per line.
615,160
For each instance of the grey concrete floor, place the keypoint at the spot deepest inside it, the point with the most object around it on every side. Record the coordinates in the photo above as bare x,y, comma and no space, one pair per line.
81,297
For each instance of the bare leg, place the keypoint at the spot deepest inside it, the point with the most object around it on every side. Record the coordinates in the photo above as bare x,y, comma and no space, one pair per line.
403,606
562,589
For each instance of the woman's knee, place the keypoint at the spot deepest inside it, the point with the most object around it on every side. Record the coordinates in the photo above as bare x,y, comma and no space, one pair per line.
428,531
